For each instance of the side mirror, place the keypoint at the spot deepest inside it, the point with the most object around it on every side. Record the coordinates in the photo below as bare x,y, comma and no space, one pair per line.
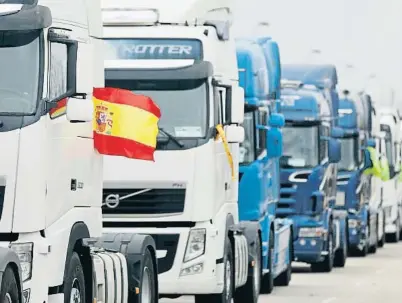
317,201
334,151
61,39
236,104
276,120
366,160
79,110
371,143
337,133
234,133
274,143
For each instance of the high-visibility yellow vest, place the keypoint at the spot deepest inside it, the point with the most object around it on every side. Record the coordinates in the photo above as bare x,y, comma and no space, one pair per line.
375,169
400,173
384,169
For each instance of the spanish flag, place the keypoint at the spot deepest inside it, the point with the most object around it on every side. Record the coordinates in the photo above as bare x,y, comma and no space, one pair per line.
125,124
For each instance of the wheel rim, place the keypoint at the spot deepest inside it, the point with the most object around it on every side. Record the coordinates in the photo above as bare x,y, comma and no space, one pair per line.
257,277
8,298
75,295
330,246
228,270
146,286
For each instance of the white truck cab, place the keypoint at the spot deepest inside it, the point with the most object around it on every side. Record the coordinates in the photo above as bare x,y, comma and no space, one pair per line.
377,190
181,54
51,175
390,126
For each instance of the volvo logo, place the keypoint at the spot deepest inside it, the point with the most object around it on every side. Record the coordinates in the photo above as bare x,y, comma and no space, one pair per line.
112,201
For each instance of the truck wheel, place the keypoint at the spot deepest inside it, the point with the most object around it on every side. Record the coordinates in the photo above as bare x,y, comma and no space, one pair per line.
148,285
267,281
228,278
74,284
284,278
394,238
9,287
252,288
381,241
328,263
373,248
342,253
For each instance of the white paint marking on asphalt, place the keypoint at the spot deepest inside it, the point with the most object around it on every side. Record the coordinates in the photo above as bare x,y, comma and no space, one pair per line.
329,300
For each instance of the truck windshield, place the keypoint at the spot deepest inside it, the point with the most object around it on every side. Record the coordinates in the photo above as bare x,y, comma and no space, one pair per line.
247,147
19,72
349,149
183,103
300,147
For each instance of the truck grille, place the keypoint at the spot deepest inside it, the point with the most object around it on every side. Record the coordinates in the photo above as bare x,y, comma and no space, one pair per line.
147,201
287,200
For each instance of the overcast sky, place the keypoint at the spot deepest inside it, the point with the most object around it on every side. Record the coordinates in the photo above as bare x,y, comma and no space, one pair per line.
365,35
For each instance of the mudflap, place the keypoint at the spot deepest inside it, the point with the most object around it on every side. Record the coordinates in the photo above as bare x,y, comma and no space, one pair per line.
283,233
249,229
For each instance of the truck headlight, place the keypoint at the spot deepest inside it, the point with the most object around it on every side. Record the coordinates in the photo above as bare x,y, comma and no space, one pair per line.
195,244
24,252
311,232
353,223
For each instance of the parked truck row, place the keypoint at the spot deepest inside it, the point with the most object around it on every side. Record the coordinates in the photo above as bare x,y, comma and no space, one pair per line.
257,163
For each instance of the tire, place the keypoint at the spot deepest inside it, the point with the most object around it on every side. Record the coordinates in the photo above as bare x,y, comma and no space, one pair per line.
342,253
373,248
284,278
381,241
394,237
74,284
227,294
328,263
251,290
148,286
9,287
363,252
267,281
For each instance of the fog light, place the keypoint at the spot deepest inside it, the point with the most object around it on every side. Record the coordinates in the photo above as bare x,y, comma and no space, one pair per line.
302,242
192,270
313,242
26,295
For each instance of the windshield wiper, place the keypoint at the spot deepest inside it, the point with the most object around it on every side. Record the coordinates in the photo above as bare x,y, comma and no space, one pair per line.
171,137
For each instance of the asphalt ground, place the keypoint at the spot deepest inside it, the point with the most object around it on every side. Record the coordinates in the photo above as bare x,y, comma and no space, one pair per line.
376,278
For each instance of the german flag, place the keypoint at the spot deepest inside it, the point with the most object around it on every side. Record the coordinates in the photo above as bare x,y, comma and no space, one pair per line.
125,124
59,109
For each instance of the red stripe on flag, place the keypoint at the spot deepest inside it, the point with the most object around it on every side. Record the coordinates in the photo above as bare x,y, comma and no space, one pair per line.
126,97
116,146
60,104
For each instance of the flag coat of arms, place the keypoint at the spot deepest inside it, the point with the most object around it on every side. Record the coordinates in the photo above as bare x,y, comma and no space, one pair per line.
125,124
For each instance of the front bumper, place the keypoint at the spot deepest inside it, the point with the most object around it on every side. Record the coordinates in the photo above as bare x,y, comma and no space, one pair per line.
357,232
309,250
171,246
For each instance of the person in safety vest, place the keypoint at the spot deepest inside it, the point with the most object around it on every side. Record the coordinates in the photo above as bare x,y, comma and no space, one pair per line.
384,168
374,168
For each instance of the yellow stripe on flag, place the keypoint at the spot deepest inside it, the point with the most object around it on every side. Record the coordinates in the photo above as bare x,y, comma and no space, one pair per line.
129,122
221,134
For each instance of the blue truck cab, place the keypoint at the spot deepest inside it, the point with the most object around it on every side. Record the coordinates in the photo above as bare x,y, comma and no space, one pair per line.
311,152
354,191
259,157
